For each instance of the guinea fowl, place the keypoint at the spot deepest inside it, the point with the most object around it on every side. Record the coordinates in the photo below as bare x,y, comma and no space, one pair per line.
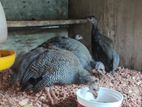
74,46
102,48
44,67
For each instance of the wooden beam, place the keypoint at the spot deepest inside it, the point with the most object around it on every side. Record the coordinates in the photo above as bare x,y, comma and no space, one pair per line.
41,23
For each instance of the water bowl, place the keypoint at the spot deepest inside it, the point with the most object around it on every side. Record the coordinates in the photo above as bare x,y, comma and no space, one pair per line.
106,98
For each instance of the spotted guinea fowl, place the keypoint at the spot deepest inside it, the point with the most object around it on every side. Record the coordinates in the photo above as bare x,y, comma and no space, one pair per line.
102,48
49,66
75,47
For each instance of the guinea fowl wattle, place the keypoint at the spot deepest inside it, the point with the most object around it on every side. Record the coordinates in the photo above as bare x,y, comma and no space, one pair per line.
102,48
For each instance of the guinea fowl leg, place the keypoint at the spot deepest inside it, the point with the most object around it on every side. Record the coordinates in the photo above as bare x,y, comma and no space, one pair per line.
116,61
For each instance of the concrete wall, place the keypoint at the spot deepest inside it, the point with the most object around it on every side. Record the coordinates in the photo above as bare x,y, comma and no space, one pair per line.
35,9
121,20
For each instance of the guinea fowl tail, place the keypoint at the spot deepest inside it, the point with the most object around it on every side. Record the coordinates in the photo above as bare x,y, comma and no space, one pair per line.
23,62
15,69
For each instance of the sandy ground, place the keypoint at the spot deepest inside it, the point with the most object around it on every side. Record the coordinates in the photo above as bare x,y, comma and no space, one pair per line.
128,82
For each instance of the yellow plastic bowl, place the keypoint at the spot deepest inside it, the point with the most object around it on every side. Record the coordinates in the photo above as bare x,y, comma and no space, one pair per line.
7,59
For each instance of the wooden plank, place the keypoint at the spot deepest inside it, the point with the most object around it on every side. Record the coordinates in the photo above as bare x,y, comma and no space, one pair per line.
41,23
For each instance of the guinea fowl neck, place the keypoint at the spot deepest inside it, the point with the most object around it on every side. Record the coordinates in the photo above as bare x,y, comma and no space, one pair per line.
94,31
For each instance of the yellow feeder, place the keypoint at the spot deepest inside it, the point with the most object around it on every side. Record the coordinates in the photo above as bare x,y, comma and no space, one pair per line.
7,59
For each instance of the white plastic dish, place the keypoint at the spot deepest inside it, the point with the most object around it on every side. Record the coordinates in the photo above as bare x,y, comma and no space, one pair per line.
106,98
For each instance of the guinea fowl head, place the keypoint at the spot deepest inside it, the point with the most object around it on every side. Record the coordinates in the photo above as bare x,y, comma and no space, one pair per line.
92,19
78,37
100,67
94,87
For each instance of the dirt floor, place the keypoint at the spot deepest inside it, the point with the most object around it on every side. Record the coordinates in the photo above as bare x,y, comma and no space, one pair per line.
126,81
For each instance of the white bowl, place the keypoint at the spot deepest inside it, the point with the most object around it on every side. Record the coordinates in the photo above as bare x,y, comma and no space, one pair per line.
106,98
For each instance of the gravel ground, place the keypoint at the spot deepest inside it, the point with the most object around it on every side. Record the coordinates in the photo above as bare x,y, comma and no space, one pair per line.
128,82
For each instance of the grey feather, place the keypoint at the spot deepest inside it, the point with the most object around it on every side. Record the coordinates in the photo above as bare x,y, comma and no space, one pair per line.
74,46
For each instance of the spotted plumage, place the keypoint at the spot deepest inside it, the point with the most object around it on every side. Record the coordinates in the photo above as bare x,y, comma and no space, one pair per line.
44,67
74,46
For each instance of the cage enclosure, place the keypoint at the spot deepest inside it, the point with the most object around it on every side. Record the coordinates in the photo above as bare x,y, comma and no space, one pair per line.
32,22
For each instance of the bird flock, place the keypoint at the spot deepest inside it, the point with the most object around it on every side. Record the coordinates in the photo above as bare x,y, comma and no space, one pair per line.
64,60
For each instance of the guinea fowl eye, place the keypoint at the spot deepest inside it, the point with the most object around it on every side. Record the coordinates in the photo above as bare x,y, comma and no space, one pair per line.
94,90
96,81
